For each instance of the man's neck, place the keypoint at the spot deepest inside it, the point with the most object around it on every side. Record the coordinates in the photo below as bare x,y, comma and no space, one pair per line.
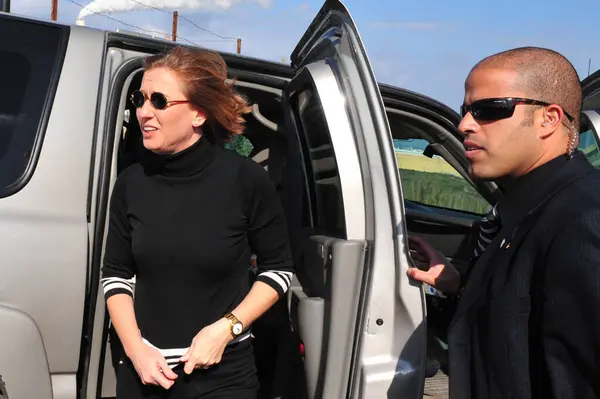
542,158
508,181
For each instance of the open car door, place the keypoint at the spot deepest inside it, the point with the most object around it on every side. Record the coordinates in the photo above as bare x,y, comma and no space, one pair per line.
589,142
355,311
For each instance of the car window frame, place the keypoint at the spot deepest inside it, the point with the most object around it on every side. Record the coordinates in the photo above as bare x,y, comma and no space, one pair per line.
55,75
458,174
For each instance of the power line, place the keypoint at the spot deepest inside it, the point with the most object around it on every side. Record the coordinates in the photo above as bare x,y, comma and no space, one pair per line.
206,30
185,18
164,34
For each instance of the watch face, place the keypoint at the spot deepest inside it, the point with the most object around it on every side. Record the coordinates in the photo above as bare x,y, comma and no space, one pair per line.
237,328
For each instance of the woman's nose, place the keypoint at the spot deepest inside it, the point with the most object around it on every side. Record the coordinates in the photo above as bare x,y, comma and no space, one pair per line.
145,111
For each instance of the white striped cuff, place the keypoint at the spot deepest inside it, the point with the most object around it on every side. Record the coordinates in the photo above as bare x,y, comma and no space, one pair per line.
278,280
116,285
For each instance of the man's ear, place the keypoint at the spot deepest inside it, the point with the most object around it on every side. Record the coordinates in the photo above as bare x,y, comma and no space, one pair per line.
552,117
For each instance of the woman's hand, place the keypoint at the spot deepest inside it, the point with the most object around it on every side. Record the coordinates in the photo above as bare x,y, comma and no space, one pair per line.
207,346
152,367
440,274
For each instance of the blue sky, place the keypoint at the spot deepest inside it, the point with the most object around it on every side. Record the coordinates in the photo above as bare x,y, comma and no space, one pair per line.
427,46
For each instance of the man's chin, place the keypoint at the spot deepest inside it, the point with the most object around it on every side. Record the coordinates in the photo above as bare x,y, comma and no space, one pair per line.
476,173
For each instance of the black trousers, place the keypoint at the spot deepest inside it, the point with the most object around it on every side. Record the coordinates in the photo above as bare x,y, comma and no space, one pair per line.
233,378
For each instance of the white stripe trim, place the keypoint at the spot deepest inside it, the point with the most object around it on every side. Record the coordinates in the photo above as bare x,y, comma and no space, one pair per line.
107,280
288,279
245,337
113,286
273,276
175,353
241,338
481,246
488,240
492,230
287,276
281,273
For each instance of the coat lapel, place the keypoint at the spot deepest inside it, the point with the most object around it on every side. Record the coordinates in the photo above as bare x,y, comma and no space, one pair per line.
509,238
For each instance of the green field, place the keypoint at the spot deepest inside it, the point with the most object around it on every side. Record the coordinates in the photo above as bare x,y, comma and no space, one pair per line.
592,154
432,181
442,190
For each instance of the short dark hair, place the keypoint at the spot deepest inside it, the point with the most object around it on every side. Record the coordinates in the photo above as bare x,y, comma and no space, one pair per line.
544,74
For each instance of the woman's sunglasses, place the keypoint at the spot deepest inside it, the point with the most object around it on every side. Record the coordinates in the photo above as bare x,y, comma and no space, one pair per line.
158,100
493,109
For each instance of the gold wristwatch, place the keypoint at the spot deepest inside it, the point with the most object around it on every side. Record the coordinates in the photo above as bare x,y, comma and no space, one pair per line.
236,326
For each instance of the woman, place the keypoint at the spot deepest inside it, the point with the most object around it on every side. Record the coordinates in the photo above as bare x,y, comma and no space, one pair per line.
185,223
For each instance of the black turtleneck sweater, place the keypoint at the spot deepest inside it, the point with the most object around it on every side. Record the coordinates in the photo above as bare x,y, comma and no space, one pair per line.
185,226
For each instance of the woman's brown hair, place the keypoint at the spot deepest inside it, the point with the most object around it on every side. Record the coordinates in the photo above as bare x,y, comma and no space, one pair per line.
203,74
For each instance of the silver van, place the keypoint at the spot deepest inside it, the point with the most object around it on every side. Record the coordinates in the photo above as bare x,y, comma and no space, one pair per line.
358,166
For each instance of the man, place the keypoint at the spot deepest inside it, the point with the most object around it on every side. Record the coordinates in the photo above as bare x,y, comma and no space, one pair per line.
527,323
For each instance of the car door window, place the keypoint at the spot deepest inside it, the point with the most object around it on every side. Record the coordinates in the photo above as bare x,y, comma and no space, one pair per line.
433,181
322,168
590,119
589,146
31,60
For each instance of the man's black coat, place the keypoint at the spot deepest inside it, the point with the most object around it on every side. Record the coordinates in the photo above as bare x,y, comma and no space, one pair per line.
528,322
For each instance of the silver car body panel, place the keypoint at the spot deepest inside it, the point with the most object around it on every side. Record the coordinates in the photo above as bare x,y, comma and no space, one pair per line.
45,237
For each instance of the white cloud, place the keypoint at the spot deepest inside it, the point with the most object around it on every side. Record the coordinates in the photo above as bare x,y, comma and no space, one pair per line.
263,34
110,6
302,7
147,29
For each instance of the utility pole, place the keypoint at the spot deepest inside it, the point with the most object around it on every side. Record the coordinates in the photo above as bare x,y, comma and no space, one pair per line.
175,16
54,13
5,5
239,46
589,66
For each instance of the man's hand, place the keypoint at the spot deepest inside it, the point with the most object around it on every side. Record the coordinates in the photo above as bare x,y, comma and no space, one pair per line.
440,274
207,346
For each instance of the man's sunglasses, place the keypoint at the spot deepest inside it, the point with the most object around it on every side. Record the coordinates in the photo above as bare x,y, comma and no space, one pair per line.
492,109
158,100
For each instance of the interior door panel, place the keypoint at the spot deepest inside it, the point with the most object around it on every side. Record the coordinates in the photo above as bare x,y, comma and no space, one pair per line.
307,315
334,270
451,233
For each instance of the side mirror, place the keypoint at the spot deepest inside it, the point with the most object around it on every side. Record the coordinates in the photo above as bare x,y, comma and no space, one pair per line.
430,151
